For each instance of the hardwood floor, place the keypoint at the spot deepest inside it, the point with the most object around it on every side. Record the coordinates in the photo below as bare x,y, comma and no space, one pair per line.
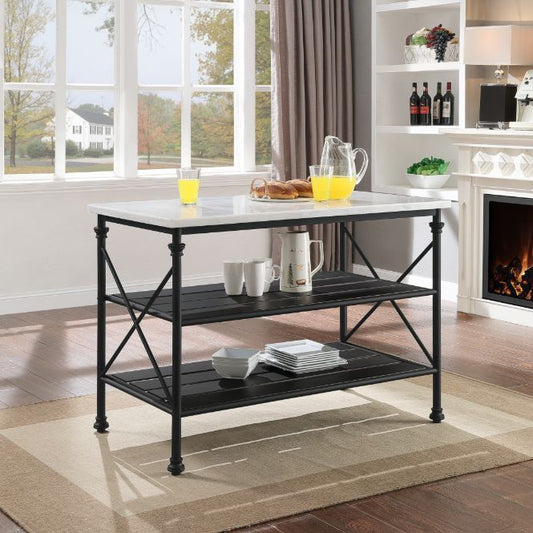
51,355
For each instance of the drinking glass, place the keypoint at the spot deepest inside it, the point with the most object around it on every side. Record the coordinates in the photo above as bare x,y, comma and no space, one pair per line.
321,181
188,185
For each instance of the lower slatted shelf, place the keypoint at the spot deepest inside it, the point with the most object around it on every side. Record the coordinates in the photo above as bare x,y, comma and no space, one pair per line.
203,390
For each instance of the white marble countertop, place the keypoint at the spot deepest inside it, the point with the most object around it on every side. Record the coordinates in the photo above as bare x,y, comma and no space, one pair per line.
217,211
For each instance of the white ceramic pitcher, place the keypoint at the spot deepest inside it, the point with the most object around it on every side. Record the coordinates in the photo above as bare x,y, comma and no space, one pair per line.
296,273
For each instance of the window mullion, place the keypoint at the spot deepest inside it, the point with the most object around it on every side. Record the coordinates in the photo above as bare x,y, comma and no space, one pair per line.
59,133
126,88
186,97
244,73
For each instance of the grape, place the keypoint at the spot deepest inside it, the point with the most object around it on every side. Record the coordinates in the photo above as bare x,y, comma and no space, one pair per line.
438,39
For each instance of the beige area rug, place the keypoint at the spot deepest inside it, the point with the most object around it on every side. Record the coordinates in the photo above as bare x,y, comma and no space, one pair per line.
251,464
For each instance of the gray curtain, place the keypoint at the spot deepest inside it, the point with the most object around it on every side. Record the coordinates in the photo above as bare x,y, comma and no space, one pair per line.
312,93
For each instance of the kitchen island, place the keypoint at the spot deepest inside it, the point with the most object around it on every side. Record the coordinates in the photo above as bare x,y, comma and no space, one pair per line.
193,388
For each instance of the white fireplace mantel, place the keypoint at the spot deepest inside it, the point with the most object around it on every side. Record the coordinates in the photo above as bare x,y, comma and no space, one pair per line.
496,162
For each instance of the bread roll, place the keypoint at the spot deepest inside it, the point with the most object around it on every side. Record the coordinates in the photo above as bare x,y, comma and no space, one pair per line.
281,190
303,187
277,190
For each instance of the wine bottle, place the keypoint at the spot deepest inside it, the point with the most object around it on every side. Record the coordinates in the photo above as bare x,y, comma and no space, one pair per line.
425,107
437,106
414,106
448,105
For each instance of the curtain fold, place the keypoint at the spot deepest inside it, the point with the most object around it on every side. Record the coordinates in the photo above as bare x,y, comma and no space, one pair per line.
312,94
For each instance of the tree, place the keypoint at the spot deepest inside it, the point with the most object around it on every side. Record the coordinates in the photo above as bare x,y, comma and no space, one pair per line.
25,60
71,148
108,25
212,126
91,107
158,126
263,127
148,25
38,149
212,134
214,29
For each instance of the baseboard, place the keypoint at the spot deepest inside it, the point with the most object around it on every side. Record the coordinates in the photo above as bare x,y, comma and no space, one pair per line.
522,316
448,288
81,296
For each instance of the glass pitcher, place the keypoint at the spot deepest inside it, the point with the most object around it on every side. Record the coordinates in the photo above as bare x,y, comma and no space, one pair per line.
342,158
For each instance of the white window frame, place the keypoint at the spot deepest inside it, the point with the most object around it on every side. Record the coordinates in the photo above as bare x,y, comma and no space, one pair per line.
126,89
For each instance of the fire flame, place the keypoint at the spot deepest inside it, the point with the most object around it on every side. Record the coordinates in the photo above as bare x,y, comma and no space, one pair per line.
511,264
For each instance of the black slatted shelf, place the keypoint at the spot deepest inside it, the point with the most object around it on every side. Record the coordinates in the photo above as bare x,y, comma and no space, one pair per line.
203,390
209,303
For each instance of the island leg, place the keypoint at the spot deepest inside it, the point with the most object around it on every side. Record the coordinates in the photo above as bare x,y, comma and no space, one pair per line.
343,311
101,231
436,228
176,466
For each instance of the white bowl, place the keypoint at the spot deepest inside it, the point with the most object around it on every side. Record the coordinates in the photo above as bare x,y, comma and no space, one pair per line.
427,182
235,353
236,372
235,363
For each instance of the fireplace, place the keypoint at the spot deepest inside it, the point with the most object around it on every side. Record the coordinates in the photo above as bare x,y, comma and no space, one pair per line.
495,204
508,249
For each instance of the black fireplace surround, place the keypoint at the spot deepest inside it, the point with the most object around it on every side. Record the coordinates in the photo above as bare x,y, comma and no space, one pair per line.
508,249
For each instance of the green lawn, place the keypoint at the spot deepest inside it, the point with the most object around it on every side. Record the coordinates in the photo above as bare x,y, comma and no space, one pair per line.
41,166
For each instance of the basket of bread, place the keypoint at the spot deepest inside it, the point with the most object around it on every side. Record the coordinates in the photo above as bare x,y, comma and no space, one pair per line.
273,190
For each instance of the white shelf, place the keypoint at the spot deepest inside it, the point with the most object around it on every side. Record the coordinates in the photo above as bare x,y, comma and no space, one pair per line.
420,5
395,143
413,130
512,177
445,66
445,193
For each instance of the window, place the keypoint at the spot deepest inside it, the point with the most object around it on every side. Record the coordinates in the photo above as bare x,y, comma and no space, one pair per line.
182,93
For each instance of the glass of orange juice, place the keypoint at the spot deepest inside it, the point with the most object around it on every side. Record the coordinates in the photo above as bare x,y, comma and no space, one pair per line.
321,181
188,185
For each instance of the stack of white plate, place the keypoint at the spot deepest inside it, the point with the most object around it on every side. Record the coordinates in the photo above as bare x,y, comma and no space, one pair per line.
302,356
235,363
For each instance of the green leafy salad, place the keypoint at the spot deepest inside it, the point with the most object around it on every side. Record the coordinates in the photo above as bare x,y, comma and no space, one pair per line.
429,166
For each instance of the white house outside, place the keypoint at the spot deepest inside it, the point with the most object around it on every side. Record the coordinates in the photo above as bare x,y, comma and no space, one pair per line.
89,130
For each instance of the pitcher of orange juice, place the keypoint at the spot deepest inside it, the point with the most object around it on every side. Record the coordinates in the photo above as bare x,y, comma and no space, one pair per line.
342,158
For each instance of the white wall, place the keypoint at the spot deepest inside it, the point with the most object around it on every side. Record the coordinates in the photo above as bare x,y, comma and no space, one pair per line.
392,245
48,248
500,11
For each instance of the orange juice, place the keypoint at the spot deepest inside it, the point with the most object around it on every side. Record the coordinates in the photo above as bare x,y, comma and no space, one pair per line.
188,191
341,187
321,186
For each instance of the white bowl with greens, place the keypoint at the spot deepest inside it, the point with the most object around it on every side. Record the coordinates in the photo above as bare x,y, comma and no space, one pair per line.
428,173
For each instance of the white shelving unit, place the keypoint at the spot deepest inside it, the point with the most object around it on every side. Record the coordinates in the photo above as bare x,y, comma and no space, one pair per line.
396,144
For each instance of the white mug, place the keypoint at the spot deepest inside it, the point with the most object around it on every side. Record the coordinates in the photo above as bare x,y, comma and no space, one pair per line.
270,271
233,277
254,277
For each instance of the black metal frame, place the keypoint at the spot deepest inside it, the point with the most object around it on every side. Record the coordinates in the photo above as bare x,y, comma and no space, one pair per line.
172,401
